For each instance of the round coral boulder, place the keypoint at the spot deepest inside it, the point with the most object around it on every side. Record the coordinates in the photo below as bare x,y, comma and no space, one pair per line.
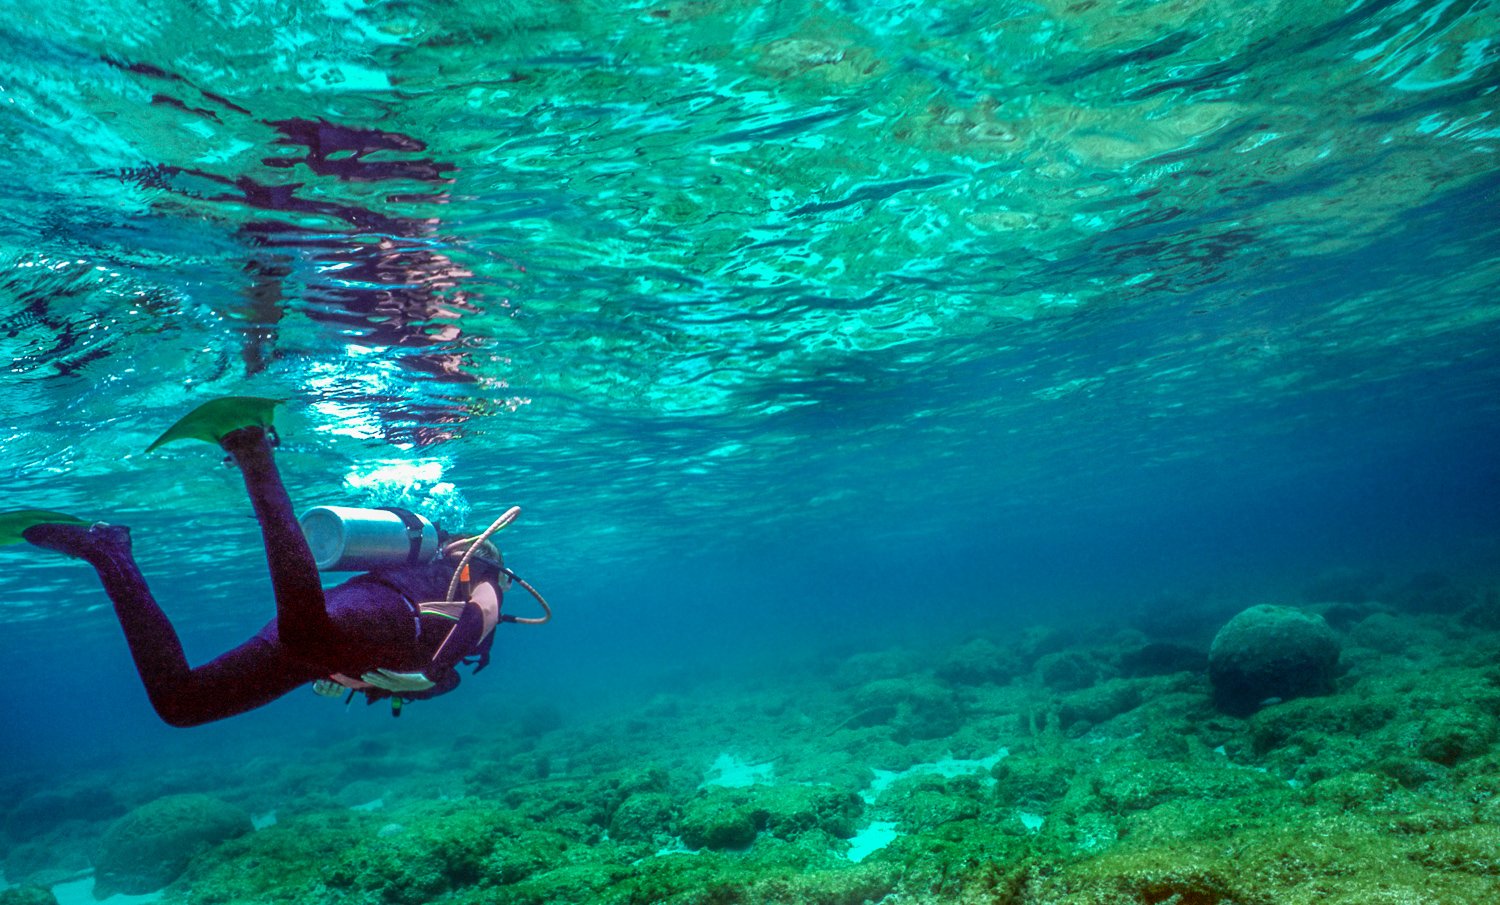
152,845
1271,653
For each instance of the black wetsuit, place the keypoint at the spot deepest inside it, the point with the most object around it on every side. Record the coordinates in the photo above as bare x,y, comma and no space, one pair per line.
368,622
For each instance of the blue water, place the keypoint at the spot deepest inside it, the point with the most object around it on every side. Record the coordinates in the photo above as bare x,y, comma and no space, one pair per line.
794,330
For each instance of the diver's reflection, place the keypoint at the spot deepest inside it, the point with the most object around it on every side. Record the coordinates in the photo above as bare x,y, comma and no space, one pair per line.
383,278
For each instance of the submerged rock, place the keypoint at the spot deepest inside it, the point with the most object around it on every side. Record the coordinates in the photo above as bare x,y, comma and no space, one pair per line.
1069,670
1271,652
644,817
873,666
979,662
918,708
51,807
1452,735
151,846
1031,780
27,895
730,819
1432,592
1099,703
719,819
924,801
54,858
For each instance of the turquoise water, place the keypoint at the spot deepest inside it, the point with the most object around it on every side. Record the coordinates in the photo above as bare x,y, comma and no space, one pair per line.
795,329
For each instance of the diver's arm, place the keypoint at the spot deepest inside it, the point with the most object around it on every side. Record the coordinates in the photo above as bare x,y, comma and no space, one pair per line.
460,641
462,638
442,685
408,686
481,613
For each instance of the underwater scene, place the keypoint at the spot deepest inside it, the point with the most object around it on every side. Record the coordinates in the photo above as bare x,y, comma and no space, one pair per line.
703,452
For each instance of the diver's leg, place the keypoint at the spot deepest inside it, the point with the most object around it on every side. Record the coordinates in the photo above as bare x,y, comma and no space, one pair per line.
302,618
148,632
249,676
246,677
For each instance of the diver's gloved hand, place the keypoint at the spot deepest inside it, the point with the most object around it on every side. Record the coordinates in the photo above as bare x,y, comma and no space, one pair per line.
328,688
398,682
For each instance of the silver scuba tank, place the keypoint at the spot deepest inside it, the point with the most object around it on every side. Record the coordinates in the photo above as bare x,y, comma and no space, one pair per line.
345,539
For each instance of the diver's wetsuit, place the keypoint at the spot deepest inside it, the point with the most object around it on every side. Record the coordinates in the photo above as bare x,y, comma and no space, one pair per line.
368,622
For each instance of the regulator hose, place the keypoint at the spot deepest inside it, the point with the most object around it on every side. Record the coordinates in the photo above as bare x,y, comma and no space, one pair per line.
473,544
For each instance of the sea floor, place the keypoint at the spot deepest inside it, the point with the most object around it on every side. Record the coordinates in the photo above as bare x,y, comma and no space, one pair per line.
1046,765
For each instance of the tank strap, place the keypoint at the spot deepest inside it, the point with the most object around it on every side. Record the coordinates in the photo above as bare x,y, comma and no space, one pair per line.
413,531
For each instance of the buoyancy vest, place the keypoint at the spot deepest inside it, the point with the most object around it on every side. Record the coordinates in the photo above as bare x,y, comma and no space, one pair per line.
434,615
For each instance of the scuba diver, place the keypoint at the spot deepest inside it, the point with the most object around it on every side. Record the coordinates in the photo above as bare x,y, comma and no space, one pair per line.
396,631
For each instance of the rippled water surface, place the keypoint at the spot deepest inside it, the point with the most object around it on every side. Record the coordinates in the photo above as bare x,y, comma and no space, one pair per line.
686,275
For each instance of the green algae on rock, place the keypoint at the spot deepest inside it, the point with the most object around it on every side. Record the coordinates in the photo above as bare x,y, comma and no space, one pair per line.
1127,790
1271,653
723,818
151,846
27,895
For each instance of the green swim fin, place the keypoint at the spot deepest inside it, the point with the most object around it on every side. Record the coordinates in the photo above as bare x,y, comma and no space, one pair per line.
213,419
14,521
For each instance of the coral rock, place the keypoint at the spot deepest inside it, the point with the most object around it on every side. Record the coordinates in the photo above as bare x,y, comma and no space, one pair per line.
27,895
152,845
1271,652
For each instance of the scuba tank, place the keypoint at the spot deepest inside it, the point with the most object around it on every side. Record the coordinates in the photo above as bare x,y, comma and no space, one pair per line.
345,539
